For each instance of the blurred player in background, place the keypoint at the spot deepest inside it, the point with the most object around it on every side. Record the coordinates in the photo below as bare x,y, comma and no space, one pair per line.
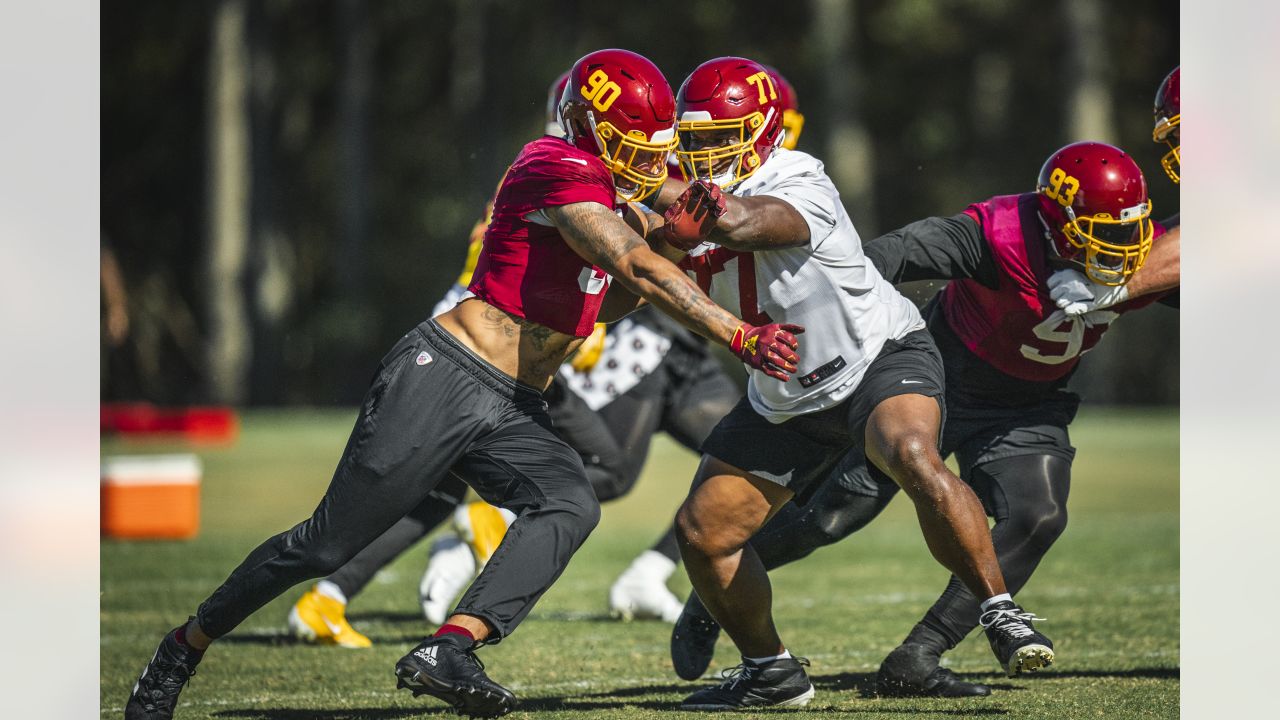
1009,352
872,384
462,393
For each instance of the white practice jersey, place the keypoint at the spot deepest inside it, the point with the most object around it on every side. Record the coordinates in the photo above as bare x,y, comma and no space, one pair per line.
847,308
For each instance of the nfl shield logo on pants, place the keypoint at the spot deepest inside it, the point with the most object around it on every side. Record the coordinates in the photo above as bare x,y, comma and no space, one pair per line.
424,357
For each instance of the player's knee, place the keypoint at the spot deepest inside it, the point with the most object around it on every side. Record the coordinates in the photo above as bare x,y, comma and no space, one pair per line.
580,503
1044,526
692,533
914,462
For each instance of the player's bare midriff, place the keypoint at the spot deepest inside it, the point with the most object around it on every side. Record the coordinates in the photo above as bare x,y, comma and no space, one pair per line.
529,352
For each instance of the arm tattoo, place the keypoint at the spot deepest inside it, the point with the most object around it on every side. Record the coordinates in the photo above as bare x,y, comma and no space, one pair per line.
596,230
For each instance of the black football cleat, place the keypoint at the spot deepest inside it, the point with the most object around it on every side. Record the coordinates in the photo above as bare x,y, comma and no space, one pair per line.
912,671
693,640
446,667
155,695
1014,640
779,683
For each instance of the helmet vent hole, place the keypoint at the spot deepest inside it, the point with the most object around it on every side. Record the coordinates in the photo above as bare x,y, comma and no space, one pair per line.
1104,161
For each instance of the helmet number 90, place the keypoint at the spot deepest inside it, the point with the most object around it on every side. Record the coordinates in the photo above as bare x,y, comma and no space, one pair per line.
1062,187
600,90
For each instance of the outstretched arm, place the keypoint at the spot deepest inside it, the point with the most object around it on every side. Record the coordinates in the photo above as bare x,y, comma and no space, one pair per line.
600,236
936,248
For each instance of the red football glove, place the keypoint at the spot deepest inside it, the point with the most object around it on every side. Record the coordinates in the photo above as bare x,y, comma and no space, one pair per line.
768,348
690,219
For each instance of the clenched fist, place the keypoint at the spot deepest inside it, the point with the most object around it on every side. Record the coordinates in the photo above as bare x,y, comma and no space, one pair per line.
770,348
690,219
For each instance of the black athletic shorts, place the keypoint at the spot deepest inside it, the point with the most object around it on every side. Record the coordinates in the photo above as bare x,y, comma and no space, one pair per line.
805,448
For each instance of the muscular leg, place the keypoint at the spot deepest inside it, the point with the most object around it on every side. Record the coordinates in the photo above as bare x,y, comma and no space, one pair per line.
902,439
1027,495
725,508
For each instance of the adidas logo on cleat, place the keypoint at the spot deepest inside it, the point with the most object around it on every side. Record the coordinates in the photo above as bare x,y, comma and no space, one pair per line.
428,654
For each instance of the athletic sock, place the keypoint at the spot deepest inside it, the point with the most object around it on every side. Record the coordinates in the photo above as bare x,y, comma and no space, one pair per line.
181,637
448,629
331,591
762,660
1002,597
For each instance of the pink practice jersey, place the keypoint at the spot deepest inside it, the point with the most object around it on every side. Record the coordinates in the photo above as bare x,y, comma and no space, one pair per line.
526,268
1017,328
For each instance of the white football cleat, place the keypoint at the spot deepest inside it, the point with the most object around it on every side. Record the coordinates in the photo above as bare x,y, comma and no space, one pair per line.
641,593
450,568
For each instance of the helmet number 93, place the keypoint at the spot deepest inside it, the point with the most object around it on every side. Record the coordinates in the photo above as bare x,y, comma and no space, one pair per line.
1062,187
600,90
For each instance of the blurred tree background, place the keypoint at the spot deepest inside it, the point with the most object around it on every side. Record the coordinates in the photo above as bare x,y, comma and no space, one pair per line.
288,186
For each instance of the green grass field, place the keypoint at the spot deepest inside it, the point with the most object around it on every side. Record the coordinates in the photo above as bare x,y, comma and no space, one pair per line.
1109,590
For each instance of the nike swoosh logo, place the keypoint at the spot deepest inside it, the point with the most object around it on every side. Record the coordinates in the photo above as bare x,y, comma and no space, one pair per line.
912,382
580,161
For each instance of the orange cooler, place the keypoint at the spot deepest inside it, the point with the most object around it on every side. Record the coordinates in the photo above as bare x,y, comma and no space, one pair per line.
151,496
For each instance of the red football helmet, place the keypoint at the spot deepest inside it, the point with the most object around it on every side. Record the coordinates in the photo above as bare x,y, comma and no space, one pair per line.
553,105
730,120
1093,198
792,118
1168,112
617,105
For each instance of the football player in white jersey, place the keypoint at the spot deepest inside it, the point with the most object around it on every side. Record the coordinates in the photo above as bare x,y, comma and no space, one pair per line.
871,378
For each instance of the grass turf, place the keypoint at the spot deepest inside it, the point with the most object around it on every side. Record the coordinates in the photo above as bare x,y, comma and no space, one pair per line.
1109,589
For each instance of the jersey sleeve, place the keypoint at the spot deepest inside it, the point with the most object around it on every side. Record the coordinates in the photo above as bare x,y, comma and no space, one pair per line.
551,181
936,248
813,195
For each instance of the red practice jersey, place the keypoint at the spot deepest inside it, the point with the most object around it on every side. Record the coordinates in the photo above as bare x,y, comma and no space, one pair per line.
1016,327
526,268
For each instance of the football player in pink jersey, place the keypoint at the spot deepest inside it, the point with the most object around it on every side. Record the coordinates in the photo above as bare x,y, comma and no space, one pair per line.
461,393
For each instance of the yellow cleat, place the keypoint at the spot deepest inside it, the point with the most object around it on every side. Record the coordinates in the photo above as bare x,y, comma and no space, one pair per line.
323,620
480,526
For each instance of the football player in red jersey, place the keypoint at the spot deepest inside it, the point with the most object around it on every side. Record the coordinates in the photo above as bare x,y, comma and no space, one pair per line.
1008,351
871,385
462,393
